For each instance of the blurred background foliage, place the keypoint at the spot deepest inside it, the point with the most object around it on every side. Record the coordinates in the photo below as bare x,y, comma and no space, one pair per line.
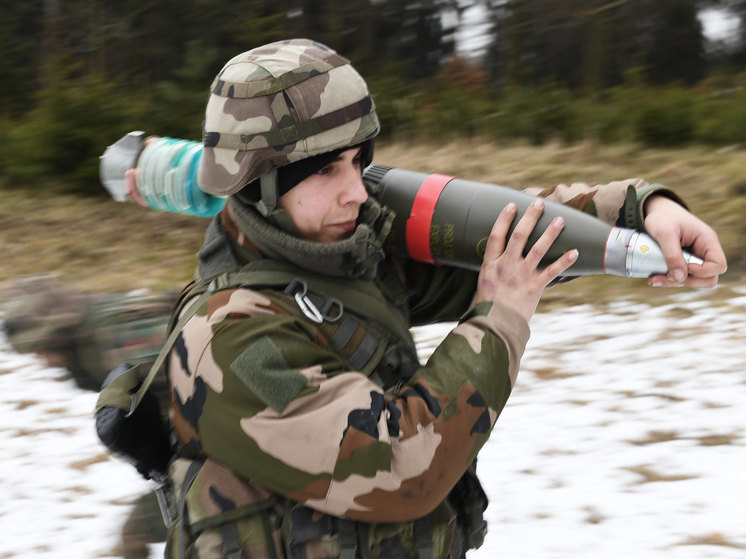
78,74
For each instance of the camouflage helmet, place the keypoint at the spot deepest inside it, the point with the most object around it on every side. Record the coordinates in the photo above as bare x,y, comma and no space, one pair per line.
41,316
278,104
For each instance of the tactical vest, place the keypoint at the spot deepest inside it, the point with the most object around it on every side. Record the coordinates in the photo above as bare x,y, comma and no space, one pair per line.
372,336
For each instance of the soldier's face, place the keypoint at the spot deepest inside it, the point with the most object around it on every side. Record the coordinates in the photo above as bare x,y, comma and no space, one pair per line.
325,206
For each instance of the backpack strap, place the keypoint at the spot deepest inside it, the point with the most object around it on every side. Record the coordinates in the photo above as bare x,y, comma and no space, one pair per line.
423,537
364,345
347,538
231,542
362,297
166,349
359,322
360,343
189,478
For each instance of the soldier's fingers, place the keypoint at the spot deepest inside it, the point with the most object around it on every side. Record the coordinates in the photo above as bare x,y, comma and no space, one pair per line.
498,234
553,271
130,180
691,281
708,247
542,246
519,237
671,245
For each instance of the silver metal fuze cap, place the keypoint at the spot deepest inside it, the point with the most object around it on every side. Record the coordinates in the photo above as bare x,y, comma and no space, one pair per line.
117,159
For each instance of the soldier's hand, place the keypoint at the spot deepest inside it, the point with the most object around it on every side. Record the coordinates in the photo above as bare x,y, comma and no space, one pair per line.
506,277
130,179
674,227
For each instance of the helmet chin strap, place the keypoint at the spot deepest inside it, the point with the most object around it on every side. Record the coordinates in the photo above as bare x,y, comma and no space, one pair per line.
268,204
269,188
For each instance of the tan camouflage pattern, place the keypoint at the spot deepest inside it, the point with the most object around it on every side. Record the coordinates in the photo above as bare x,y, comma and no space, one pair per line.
277,104
260,392
252,364
214,495
583,196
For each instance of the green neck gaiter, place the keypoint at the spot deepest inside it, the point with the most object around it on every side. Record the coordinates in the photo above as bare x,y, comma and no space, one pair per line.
356,257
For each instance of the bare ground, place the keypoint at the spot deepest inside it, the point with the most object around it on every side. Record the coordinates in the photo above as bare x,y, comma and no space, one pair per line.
101,245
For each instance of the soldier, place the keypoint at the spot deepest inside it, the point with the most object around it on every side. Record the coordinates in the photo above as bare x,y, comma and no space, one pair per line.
306,425
89,335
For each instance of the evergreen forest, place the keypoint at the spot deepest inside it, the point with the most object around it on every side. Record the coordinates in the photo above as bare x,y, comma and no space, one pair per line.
78,74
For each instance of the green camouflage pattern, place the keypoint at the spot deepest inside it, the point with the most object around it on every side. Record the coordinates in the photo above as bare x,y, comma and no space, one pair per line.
268,526
213,498
261,393
277,104
87,334
329,438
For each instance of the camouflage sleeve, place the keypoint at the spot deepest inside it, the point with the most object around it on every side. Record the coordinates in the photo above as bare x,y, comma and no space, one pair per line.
618,203
259,392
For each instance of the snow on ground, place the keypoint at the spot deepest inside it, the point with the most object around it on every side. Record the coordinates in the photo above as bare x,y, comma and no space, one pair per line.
626,435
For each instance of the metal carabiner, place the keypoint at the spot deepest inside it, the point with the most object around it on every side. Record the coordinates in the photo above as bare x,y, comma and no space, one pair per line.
298,289
308,308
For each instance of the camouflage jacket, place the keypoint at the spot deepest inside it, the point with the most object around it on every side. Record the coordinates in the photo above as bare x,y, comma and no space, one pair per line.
275,412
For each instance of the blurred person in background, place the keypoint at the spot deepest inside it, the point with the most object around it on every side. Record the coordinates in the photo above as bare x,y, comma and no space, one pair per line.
88,335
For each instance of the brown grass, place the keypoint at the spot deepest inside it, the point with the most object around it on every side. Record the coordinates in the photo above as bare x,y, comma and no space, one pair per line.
712,539
101,245
649,475
83,464
655,437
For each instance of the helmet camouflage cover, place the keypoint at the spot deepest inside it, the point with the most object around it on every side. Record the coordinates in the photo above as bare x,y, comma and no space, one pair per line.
277,104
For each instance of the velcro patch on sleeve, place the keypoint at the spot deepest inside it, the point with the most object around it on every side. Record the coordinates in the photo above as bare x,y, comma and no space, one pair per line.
264,371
